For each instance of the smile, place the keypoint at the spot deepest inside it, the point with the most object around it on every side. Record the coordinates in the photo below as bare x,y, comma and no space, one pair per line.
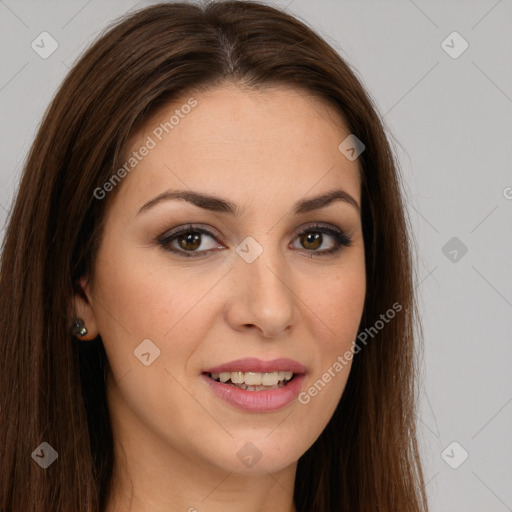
254,385
254,381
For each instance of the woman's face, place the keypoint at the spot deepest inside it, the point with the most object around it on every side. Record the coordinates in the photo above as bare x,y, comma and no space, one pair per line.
239,283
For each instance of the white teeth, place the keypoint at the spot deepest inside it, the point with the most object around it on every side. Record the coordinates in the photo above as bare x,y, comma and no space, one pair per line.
224,376
270,379
237,377
253,380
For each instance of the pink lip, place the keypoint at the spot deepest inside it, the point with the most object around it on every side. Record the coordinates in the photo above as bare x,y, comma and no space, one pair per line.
252,364
256,401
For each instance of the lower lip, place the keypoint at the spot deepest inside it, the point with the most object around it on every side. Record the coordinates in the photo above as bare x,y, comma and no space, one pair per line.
257,401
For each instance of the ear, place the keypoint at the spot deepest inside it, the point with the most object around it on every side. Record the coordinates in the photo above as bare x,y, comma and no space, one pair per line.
82,307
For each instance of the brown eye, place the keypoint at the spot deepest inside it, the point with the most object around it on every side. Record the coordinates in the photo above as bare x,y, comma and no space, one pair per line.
313,237
190,241
311,240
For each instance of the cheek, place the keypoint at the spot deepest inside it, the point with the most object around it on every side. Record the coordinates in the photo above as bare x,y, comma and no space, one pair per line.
343,305
143,298
144,294
144,307
336,301
336,311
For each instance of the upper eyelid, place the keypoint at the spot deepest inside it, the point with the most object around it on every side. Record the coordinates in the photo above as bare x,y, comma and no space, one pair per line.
189,227
213,232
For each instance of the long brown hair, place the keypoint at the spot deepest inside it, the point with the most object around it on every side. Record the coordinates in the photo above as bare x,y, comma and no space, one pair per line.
52,388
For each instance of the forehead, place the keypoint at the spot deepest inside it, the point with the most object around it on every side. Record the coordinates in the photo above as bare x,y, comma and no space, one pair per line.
240,143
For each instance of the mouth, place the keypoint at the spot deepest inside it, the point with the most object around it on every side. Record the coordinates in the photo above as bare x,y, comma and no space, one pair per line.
254,381
254,385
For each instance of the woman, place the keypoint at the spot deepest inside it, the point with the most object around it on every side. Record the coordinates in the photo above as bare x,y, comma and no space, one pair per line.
206,298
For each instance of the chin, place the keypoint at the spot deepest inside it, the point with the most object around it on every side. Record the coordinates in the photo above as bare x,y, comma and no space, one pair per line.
257,455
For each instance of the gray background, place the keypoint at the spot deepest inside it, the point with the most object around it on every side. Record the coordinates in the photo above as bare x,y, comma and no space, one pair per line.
451,120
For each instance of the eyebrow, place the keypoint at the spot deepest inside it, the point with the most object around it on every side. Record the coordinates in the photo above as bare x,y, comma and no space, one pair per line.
217,204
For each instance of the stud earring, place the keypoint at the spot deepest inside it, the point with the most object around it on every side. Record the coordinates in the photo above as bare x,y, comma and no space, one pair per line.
78,327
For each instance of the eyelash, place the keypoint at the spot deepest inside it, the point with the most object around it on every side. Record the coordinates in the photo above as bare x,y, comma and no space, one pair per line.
341,239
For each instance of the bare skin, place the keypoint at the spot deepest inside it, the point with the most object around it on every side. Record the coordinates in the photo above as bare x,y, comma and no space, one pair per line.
176,443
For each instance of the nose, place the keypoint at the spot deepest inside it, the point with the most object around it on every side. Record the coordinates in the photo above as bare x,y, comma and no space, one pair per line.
262,296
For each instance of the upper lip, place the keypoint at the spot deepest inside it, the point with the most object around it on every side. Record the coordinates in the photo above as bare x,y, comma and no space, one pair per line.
253,364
